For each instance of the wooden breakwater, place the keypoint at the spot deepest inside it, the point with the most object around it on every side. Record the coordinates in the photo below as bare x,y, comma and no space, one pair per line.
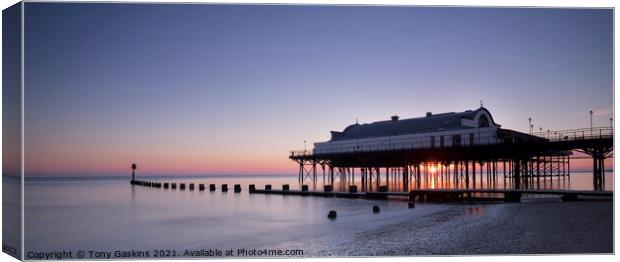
440,195
184,186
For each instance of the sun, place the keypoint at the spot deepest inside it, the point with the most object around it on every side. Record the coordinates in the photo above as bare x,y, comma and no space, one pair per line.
433,169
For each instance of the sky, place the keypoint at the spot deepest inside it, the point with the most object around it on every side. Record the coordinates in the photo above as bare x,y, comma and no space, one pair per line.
203,89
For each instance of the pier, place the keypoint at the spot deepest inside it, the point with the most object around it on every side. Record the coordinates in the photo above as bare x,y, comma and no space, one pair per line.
473,151
525,163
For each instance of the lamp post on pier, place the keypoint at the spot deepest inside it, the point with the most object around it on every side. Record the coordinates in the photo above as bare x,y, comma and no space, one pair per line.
591,127
530,126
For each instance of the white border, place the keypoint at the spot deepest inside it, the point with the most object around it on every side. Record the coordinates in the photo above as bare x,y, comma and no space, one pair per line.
472,3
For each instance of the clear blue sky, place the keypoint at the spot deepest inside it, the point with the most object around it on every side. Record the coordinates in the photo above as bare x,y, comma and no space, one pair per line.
231,88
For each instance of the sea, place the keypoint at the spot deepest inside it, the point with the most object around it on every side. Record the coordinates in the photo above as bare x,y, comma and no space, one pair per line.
106,217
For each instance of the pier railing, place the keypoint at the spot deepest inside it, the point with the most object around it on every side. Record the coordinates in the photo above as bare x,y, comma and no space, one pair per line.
419,143
551,136
576,134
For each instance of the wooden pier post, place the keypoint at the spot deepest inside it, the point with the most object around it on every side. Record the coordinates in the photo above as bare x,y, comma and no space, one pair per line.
173,185
191,186
201,187
285,187
237,188
166,185
224,187
512,196
182,186
267,187
133,172
252,188
211,187
332,214
411,201
328,188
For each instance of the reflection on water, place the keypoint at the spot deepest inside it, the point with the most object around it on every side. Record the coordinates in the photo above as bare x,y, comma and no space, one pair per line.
474,210
437,180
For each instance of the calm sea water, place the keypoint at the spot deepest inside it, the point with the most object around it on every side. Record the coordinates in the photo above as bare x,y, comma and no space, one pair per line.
108,214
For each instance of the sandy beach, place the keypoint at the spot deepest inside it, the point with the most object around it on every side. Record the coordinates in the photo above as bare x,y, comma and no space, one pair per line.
537,227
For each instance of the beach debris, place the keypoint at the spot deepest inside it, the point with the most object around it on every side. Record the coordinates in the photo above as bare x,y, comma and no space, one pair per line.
411,204
332,214
376,209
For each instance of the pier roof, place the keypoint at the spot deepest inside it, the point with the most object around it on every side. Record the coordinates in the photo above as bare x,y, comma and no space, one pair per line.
429,123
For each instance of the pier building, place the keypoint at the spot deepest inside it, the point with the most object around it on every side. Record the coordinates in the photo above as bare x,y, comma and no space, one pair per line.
471,127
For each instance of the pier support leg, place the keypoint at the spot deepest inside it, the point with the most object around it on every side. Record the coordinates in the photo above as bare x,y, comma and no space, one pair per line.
406,178
517,173
473,174
467,174
313,171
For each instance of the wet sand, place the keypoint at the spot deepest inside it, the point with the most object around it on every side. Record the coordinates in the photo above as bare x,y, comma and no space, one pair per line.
537,227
